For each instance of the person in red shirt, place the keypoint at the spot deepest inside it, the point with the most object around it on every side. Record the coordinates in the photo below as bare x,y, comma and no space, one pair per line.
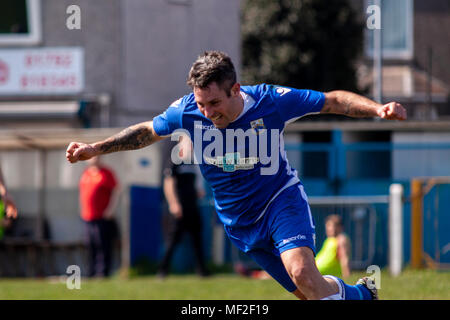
98,199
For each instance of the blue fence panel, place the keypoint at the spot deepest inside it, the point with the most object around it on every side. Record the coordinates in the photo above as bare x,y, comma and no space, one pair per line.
145,224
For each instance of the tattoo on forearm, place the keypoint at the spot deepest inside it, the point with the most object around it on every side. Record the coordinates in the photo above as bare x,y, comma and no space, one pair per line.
351,105
132,138
356,108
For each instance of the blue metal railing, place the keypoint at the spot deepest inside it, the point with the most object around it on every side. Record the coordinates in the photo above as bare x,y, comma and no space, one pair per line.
365,146
337,151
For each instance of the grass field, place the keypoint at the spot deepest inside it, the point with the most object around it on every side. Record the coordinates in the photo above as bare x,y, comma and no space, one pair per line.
411,285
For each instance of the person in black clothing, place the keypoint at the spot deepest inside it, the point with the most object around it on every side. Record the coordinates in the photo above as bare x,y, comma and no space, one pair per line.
181,194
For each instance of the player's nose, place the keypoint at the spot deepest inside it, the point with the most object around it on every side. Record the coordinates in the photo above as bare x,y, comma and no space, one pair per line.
208,112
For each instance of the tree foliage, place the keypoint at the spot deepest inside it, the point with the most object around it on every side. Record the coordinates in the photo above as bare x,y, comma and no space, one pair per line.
301,43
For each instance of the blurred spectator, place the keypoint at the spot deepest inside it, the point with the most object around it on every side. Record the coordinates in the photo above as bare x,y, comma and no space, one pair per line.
98,199
182,194
8,209
334,256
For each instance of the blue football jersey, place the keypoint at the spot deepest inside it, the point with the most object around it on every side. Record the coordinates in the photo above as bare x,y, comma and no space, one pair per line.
245,164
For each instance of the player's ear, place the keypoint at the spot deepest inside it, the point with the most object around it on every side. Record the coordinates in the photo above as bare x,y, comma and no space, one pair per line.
235,89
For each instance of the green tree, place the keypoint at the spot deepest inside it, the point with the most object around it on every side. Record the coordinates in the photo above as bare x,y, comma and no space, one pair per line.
301,43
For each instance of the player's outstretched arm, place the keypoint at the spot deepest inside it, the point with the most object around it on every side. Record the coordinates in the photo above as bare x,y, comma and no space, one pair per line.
134,137
357,106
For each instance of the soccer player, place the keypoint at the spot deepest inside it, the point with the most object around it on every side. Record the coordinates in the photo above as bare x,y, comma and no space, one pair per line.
237,133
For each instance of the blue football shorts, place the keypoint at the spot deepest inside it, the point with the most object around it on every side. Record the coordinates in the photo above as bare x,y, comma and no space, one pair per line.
286,224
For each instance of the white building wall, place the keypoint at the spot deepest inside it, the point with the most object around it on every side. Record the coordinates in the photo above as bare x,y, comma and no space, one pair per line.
161,39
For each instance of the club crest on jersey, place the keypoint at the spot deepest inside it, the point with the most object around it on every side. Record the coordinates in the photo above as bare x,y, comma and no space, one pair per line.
257,125
234,149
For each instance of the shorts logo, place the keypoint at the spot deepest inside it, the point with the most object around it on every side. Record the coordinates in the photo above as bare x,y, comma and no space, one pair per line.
257,125
297,237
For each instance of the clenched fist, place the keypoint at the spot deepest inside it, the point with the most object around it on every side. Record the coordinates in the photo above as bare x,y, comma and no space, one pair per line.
78,151
392,111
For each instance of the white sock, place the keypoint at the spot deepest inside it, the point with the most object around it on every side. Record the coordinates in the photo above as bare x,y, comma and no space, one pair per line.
341,289
335,296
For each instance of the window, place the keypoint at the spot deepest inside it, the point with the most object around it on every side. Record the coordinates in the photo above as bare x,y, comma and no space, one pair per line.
396,28
20,22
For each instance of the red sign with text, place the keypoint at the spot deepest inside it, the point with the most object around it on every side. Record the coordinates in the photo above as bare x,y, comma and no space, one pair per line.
42,71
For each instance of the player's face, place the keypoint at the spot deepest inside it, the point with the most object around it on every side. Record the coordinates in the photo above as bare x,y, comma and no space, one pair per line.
331,229
214,103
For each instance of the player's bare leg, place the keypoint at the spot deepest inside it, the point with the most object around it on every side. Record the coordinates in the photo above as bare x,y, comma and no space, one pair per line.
301,267
299,294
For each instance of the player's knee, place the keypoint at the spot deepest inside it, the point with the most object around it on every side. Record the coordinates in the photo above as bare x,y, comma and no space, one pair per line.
301,276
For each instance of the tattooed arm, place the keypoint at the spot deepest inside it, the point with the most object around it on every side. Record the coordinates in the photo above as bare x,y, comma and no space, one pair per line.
356,106
135,137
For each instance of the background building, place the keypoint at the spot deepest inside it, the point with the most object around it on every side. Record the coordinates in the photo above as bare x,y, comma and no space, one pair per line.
415,53
69,65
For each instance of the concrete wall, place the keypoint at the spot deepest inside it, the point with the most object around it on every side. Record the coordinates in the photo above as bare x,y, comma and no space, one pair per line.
140,51
100,36
161,40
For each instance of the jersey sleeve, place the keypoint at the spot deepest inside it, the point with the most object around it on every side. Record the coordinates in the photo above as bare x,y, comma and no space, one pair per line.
170,120
295,103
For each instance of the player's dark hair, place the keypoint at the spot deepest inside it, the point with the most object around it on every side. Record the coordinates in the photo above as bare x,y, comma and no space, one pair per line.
212,66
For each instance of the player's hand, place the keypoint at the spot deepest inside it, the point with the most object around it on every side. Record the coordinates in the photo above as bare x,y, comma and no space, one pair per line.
11,209
176,210
392,111
77,151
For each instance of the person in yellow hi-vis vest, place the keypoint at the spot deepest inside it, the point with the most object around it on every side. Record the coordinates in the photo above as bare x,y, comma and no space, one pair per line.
334,256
